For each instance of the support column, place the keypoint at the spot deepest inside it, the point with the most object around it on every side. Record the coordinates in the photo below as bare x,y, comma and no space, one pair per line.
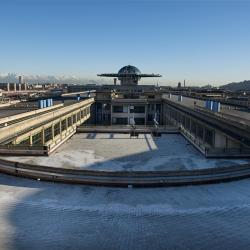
43,137
203,139
60,129
146,114
67,125
111,114
53,134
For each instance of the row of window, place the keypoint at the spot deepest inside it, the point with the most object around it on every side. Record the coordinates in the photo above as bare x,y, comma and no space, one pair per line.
132,109
124,121
37,138
101,107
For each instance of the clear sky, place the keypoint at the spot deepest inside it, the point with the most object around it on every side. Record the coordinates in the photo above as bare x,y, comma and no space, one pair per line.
200,41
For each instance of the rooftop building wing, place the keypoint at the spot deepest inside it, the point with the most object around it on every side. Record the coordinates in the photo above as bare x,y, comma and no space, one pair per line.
150,75
109,75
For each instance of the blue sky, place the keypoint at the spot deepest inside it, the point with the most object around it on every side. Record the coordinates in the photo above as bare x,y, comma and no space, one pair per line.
200,41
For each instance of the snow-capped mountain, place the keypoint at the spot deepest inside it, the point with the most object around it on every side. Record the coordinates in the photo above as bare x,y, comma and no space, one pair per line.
13,77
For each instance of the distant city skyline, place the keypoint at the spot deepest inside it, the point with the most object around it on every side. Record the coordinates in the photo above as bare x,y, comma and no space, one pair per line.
204,42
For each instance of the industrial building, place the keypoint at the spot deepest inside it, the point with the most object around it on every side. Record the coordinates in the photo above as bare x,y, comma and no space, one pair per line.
216,131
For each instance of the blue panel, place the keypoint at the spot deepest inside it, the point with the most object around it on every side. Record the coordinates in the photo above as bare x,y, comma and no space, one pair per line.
44,104
40,103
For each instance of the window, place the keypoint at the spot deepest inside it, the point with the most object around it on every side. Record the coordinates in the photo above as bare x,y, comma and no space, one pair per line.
187,123
69,121
48,134
209,136
25,142
57,129
64,127
158,107
193,127
125,109
37,139
118,109
151,107
106,106
139,121
200,131
78,116
106,117
99,107
139,109
150,118
120,121
74,118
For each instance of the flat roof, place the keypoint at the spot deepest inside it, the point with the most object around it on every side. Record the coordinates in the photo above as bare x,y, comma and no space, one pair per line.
119,152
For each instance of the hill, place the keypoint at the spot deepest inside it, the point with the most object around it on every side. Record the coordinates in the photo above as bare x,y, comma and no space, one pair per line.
237,86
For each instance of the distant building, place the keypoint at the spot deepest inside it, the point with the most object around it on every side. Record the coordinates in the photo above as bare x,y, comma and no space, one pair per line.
20,79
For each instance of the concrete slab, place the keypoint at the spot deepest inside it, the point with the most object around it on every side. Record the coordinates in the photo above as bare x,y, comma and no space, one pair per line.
119,152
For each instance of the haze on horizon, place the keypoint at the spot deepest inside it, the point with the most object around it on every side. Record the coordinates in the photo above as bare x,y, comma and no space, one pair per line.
203,42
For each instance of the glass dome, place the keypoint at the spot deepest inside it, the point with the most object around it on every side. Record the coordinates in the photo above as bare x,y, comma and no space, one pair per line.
129,70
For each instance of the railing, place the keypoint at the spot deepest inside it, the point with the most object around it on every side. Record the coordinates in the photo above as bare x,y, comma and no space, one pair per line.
123,126
198,143
126,129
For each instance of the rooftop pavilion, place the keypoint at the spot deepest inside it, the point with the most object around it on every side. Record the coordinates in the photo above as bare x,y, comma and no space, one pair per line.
128,75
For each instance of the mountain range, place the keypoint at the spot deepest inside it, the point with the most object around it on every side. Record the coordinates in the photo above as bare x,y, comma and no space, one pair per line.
13,77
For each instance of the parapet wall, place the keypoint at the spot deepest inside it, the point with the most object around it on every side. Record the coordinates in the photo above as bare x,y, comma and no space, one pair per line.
125,178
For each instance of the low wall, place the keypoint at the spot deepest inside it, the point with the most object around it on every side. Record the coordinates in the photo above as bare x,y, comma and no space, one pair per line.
21,150
127,129
125,178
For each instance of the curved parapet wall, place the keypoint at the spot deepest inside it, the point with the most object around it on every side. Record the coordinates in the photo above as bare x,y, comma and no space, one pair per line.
125,178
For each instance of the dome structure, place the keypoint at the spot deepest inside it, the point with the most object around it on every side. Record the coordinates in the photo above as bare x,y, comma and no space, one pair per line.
129,75
129,69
